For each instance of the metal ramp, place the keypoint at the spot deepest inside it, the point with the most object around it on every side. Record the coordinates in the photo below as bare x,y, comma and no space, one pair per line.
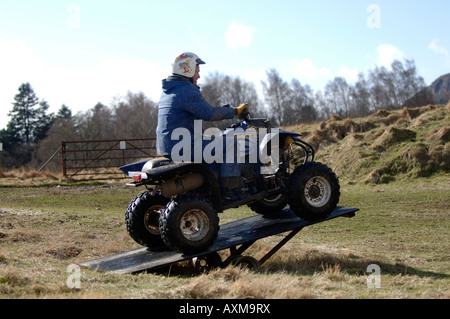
237,236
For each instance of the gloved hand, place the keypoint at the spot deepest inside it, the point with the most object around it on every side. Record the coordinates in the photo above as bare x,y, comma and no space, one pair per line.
242,109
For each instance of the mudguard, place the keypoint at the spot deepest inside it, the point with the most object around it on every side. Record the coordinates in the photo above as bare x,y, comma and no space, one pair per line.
133,167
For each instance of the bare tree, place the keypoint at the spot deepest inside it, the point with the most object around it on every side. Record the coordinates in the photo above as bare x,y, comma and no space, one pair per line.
134,117
220,89
339,94
321,106
302,106
212,88
361,97
277,95
95,124
409,83
391,89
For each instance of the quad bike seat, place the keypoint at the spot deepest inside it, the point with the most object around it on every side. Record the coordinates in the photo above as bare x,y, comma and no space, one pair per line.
156,162
164,168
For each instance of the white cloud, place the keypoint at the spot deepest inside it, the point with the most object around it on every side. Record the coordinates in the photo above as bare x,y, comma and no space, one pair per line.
18,64
436,48
351,75
255,77
305,69
387,53
307,72
239,35
80,88
121,75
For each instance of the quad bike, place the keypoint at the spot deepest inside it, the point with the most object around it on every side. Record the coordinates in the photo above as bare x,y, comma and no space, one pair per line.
180,208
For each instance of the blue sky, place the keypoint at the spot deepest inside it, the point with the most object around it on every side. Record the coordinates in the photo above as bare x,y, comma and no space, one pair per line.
80,52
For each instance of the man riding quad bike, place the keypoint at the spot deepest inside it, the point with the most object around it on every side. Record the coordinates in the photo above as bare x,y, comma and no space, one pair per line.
250,163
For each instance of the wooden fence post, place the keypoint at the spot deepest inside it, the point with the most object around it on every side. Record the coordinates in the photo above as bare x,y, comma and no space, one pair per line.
63,156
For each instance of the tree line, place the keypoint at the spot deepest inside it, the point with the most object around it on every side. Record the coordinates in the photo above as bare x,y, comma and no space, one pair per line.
292,103
33,134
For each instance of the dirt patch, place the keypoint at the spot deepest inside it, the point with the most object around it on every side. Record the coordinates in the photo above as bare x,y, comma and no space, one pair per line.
64,252
444,134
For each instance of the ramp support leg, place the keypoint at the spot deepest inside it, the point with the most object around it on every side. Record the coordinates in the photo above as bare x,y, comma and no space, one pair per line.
279,245
234,251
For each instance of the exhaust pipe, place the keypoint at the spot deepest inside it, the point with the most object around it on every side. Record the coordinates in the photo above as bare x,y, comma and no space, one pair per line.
181,184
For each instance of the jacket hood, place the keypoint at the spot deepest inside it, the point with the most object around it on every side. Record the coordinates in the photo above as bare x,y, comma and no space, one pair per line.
174,81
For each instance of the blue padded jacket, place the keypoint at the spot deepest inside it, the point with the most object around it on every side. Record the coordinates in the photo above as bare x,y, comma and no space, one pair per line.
181,103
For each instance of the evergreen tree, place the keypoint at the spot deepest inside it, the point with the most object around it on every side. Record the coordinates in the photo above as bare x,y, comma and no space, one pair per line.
43,122
64,113
23,114
29,124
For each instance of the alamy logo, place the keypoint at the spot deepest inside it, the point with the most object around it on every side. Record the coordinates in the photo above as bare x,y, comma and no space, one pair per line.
374,279
232,146
74,279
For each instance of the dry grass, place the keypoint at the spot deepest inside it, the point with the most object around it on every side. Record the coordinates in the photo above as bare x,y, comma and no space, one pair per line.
30,177
44,230
236,283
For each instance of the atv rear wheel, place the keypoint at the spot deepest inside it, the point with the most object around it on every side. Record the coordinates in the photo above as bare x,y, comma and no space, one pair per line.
269,205
142,219
313,191
189,224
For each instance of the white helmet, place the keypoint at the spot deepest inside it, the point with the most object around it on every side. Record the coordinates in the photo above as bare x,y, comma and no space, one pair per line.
185,64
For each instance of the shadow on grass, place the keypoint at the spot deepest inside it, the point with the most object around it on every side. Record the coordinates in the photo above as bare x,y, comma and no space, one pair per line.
353,265
311,264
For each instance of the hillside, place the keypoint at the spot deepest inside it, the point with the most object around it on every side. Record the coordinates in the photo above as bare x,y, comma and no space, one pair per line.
383,147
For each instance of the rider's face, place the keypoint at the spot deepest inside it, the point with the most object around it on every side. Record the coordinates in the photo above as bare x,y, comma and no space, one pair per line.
197,75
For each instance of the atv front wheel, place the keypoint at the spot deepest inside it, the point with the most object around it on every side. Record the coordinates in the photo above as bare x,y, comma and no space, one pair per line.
142,219
189,224
313,191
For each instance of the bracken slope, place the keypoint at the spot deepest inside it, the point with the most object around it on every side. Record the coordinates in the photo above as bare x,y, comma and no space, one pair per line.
385,146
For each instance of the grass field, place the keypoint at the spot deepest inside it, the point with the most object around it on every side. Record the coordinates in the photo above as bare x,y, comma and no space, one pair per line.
403,227
394,166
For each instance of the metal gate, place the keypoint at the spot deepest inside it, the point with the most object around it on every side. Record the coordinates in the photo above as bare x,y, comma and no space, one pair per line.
100,159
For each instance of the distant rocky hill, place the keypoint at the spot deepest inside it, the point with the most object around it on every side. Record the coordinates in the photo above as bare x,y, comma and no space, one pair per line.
437,93
441,89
